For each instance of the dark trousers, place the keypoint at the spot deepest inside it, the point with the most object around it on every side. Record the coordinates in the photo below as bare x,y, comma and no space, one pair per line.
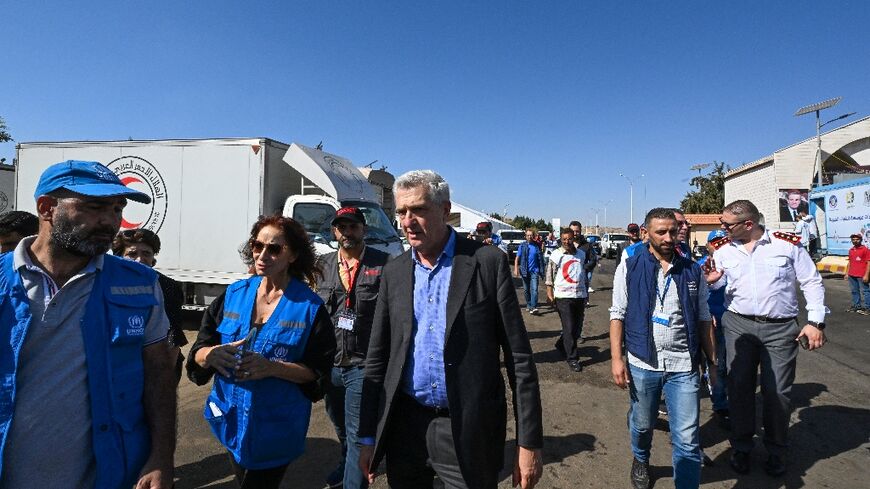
258,479
419,446
772,346
571,314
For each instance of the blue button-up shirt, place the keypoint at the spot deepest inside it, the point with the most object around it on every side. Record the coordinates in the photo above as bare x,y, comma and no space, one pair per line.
424,378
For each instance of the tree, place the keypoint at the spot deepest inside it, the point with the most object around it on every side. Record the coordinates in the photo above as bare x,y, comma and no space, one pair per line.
709,196
5,137
524,222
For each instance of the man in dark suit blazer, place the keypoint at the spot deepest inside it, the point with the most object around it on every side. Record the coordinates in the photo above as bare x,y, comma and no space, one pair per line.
792,206
455,430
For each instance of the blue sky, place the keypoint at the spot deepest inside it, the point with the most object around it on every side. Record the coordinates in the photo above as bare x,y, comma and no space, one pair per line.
537,105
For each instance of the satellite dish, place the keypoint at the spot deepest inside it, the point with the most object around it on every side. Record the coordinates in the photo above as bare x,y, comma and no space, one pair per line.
699,167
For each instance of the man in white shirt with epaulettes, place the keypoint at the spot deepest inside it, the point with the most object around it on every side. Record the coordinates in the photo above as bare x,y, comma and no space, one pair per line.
758,270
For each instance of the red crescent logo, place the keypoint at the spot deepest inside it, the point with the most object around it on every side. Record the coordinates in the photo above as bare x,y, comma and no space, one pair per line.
128,180
566,271
125,223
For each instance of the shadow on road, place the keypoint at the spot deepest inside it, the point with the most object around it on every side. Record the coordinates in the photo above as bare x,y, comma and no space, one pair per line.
821,433
589,354
556,450
307,472
205,472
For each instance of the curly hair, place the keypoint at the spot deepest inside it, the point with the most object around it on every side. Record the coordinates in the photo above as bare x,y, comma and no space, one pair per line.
305,267
129,237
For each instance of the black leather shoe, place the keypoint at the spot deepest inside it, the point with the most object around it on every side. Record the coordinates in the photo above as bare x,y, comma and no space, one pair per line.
774,466
575,365
740,462
639,474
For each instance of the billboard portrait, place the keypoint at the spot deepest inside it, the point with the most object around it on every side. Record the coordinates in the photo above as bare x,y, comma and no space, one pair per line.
791,202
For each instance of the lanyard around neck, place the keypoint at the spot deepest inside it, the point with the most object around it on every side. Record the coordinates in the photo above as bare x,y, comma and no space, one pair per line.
351,279
661,297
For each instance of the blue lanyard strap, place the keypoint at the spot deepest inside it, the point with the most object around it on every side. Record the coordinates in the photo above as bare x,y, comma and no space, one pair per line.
662,297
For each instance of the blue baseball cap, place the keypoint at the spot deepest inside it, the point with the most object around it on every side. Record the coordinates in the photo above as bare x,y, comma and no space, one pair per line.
716,234
86,178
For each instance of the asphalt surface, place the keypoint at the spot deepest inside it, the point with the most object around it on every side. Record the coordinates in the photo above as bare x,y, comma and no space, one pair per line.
586,439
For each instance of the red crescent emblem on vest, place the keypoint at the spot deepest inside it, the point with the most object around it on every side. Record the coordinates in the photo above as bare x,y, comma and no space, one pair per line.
566,271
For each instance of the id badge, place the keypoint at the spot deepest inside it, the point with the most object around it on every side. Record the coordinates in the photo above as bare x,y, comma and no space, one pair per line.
661,318
346,320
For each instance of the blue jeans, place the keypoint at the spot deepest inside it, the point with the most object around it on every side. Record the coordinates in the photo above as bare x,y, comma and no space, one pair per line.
720,388
342,399
530,287
858,286
681,397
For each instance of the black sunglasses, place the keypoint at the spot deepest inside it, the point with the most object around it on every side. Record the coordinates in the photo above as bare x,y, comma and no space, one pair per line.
729,225
271,248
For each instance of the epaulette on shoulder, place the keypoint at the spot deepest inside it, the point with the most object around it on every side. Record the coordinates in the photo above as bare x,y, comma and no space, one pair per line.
720,242
789,237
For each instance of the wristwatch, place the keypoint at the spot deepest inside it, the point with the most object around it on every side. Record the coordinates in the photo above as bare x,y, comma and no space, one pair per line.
820,326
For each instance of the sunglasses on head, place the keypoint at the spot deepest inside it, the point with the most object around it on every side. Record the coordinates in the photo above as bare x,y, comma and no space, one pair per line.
271,248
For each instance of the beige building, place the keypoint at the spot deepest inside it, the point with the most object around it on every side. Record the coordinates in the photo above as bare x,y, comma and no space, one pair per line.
702,224
780,183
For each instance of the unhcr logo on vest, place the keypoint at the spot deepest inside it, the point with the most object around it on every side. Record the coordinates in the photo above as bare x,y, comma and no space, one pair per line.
135,325
281,353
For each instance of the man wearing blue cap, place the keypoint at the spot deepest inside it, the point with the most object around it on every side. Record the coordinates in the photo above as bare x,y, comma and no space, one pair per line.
88,369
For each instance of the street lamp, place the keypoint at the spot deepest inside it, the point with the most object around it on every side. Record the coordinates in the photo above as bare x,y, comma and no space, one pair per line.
817,108
605,213
631,195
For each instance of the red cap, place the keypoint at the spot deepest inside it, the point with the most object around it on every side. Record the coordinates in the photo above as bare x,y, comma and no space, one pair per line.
349,213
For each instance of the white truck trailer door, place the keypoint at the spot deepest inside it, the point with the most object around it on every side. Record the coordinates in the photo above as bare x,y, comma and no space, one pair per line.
7,188
335,175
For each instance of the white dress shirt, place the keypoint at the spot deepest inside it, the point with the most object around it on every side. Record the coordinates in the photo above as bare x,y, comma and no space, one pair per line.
762,283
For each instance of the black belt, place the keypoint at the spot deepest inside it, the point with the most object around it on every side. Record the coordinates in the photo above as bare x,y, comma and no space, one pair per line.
431,410
764,319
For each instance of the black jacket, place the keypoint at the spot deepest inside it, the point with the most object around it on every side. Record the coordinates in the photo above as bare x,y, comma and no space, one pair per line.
483,321
351,346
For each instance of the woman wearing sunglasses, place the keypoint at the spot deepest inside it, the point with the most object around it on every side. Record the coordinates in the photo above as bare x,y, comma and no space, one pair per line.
272,338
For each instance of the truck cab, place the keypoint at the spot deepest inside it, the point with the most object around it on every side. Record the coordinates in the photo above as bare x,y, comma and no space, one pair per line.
315,213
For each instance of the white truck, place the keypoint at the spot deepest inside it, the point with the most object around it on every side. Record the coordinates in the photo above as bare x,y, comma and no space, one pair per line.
207,193
7,188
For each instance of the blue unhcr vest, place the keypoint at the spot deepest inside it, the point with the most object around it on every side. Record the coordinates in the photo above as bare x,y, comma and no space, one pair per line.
263,422
641,275
631,249
114,322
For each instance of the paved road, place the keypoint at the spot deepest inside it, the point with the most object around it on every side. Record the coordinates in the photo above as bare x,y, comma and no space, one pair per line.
584,417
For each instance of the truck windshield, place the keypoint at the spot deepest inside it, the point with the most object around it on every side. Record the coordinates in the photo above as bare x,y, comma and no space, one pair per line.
379,226
513,235
312,216
316,217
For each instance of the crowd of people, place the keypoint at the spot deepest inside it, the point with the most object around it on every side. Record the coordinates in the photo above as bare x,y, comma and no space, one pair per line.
405,352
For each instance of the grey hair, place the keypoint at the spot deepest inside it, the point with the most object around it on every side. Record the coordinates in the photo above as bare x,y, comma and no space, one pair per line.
745,211
658,213
437,190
